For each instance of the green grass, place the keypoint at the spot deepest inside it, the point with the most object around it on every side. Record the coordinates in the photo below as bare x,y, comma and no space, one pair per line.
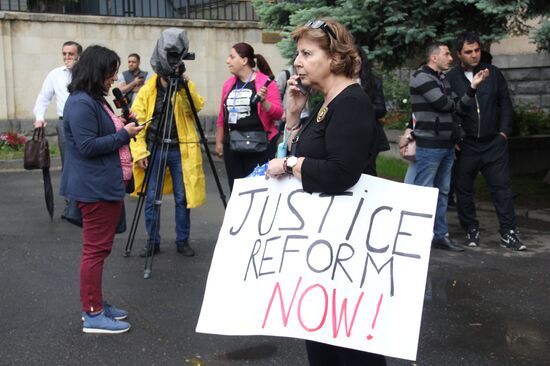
11,154
530,190
391,168
8,154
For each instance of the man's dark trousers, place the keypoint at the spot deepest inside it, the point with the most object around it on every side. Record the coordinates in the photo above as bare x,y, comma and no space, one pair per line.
60,129
488,155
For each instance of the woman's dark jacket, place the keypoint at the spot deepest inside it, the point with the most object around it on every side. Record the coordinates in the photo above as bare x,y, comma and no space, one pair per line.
92,170
336,147
377,97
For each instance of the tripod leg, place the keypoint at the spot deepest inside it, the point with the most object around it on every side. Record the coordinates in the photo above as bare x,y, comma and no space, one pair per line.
148,173
158,166
204,142
135,222
142,194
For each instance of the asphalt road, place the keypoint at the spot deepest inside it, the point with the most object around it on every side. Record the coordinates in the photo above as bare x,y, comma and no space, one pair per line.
486,306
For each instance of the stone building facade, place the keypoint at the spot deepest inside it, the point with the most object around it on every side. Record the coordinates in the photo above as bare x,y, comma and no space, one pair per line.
527,72
31,43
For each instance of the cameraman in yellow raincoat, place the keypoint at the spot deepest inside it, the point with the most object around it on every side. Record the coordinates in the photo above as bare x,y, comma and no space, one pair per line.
184,172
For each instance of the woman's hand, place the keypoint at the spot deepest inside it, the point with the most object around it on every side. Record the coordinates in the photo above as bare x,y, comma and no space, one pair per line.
219,141
295,100
275,168
131,118
133,129
219,149
262,93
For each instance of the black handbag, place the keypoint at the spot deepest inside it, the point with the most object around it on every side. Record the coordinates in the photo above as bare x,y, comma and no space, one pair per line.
248,141
37,151
73,215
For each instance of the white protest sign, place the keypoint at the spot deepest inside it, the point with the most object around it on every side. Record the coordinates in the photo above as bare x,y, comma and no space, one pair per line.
348,270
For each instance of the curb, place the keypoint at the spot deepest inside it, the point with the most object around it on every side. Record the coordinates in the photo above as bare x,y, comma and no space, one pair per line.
539,214
17,165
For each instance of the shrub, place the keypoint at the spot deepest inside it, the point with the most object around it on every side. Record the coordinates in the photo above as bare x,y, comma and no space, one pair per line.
530,120
11,141
396,94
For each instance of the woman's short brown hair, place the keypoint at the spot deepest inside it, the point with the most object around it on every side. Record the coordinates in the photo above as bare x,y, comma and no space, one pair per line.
343,49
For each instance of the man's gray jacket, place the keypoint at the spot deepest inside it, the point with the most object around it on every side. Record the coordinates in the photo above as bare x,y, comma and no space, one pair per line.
434,107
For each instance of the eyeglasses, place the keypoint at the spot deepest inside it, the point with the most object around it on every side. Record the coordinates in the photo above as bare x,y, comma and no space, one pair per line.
320,24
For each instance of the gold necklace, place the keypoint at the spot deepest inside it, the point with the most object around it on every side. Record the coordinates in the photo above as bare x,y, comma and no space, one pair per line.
322,113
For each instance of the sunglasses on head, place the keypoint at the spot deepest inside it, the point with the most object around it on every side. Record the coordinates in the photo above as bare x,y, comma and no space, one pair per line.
320,24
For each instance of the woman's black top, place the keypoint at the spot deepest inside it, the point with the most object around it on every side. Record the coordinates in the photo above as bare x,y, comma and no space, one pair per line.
337,147
238,100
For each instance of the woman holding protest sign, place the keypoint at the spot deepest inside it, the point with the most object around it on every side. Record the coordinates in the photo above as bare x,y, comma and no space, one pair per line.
330,151
246,134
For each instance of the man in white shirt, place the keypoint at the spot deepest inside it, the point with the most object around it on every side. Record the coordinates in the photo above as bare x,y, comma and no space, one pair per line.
56,84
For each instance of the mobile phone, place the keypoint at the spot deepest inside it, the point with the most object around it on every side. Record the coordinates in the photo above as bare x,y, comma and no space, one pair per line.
303,89
149,120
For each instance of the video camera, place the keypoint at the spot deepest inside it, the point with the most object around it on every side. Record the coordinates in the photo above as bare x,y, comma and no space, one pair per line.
171,50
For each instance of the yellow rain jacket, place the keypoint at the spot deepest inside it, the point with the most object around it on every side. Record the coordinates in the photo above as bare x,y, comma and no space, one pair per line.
191,156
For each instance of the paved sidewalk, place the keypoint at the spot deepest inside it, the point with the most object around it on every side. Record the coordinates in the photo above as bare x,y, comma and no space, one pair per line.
487,306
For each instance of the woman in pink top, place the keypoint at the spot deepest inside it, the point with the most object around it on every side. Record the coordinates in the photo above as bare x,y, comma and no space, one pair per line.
238,112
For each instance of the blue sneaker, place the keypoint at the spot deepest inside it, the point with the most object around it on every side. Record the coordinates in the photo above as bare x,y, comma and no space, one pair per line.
102,324
111,312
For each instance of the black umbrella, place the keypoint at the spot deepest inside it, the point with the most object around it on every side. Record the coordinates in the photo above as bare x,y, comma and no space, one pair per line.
48,191
37,156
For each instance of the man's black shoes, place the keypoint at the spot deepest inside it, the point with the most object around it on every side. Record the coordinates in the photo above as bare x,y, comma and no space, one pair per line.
148,250
472,238
182,247
510,239
185,249
446,243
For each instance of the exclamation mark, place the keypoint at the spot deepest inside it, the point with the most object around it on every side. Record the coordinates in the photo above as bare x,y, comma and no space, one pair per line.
369,337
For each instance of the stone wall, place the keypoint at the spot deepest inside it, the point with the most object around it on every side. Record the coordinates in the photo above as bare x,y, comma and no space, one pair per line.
528,78
527,72
30,46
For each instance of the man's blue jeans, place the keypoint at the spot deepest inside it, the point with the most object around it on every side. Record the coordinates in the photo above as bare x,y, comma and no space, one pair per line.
183,222
433,169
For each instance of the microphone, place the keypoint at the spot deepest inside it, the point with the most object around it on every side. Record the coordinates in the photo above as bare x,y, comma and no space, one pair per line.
121,102
256,98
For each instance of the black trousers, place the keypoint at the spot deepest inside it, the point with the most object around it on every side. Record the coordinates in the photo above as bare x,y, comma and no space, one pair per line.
321,354
490,157
239,164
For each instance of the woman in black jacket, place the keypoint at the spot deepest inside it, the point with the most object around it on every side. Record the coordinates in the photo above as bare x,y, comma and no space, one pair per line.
329,152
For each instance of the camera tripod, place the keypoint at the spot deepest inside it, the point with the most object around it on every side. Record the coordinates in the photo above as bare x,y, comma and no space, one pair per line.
163,133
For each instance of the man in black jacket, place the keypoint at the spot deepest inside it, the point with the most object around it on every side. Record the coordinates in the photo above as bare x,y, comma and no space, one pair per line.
484,148
434,131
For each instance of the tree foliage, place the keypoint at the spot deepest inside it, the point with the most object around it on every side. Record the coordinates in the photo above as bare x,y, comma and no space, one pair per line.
541,36
395,31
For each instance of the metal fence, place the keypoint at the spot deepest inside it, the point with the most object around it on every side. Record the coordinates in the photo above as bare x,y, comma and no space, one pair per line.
232,10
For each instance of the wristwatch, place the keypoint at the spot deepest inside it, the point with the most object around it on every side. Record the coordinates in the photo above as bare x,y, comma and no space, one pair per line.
290,162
